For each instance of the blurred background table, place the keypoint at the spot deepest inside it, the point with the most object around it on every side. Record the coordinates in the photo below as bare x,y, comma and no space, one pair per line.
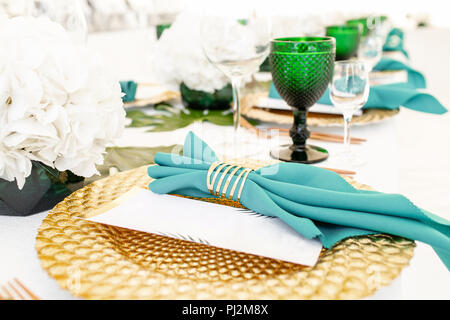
418,141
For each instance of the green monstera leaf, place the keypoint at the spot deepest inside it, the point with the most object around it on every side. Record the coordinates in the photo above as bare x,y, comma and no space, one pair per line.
127,158
170,118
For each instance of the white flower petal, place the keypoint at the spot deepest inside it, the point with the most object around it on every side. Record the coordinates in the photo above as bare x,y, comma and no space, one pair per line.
57,104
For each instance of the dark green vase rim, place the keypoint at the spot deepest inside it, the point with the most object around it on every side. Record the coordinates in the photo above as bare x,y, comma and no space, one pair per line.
350,29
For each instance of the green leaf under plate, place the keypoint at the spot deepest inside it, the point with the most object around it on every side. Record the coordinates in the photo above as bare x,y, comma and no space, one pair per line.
171,118
127,158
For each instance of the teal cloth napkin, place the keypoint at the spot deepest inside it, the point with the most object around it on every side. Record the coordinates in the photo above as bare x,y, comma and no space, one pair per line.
313,201
415,78
129,89
392,96
394,41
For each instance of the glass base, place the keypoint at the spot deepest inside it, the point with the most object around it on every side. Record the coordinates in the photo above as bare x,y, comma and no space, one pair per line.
310,154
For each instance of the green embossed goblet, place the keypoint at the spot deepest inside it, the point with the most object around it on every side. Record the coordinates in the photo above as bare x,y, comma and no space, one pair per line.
301,68
360,23
347,40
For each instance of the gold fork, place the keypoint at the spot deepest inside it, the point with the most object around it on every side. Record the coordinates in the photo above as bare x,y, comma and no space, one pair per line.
16,290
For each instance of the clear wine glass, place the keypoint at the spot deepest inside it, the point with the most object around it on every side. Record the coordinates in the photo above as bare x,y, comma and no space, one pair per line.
236,43
349,92
379,26
370,51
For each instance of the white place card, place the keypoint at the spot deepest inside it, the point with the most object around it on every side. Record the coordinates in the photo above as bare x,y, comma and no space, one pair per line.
278,104
209,223
386,77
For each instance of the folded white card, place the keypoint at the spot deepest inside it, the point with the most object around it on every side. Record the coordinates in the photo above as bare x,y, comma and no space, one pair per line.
213,224
386,77
278,104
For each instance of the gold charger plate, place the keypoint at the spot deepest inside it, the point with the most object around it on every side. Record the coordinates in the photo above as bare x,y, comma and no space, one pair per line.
314,119
96,261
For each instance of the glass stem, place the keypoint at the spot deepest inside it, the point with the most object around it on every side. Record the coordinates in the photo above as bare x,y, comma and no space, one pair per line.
236,84
347,122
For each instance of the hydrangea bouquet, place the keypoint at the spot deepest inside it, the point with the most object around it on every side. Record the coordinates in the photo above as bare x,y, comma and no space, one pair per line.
58,111
180,64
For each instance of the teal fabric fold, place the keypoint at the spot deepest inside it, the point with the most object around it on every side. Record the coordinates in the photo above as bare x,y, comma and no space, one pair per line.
129,89
313,201
392,96
415,78
395,41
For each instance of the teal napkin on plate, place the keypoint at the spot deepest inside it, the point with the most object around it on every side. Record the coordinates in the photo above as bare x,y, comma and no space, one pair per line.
394,41
392,96
415,78
313,201
129,89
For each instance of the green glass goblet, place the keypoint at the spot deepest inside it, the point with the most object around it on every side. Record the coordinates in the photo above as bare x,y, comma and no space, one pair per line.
360,23
347,40
301,68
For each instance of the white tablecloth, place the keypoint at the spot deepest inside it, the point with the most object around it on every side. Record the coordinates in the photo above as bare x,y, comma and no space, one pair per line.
409,154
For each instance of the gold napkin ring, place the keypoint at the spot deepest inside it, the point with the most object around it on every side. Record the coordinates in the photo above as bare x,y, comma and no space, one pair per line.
213,173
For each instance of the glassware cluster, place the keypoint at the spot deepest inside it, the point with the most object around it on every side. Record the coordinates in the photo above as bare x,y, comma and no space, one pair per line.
237,46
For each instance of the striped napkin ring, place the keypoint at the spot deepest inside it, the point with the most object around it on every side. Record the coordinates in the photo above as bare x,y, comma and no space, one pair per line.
222,169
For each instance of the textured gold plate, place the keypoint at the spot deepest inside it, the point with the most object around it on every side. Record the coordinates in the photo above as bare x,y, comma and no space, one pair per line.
314,119
96,261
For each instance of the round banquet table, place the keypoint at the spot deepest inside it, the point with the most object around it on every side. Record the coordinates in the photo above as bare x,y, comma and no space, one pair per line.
407,154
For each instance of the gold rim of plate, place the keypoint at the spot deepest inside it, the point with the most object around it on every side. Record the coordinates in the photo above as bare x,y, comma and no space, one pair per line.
314,119
96,261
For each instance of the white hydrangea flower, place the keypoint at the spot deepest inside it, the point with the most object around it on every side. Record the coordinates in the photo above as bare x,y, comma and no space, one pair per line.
178,57
57,104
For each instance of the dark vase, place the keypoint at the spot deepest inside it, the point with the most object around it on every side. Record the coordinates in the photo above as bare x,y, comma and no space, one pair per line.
43,189
201,100
160,28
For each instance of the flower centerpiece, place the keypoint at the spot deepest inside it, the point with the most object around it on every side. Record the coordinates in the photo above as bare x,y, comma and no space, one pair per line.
180,64
59,110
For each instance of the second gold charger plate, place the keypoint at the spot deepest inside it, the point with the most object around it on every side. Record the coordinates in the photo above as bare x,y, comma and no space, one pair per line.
97,261
314,119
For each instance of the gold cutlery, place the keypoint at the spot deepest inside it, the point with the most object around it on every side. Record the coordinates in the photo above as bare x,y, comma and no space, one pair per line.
16,290
314,135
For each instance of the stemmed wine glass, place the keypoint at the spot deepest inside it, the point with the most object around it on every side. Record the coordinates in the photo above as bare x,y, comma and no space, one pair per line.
301,69
379,26
370,51
349,91
236,43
